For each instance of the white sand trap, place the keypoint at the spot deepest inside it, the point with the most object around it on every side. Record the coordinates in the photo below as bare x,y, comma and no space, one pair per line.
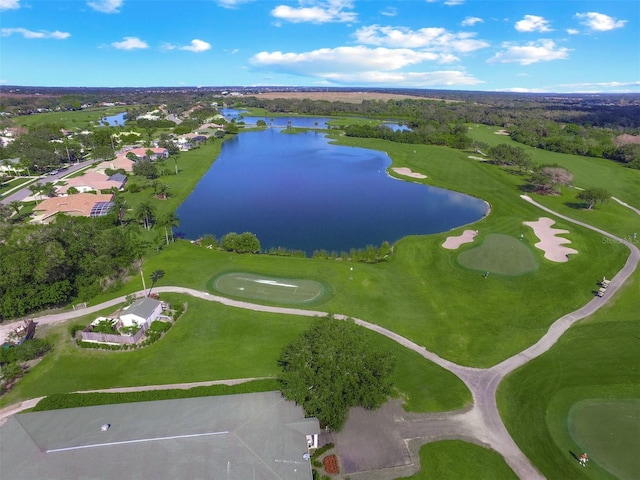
452,243
480,159
502,132
407,172
549,242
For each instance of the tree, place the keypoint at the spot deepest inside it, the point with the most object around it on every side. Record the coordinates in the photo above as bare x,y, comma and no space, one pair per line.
36,189
16,205
155,276
145,168
593,196
333,366
168,221
549,178
145,213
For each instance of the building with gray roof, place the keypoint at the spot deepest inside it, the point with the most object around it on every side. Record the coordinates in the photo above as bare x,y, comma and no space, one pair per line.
257,436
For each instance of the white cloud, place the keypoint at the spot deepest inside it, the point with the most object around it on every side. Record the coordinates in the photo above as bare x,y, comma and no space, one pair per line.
389,12
572,31
363,65
106,6
599,21
521,90
453,3
448,78
602,84
130,43
436,39
317,12
57,35
9,4
532,52
533,23
197,46
232,3
471,21
344,59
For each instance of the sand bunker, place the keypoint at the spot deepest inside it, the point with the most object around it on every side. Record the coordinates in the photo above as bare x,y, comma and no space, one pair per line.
408,173
452,243
549,242
502,132
480,159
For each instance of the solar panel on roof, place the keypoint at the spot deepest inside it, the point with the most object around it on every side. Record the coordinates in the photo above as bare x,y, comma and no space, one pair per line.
100,209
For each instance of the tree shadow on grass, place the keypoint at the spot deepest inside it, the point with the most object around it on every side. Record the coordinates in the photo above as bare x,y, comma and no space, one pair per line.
577,205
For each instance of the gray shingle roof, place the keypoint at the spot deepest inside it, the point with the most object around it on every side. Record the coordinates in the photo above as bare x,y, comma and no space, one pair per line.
232,437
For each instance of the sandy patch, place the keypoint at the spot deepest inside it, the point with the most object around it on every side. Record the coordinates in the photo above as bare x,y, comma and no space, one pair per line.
408,173
502,132
452,243
480,159
549,242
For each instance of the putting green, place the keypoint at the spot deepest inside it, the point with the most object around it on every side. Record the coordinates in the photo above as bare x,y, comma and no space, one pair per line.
272,289
609,431
500,254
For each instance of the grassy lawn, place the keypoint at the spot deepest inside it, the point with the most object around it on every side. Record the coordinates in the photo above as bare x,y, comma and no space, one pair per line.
455,459
192,165
597,359
70,120
214,342
421,291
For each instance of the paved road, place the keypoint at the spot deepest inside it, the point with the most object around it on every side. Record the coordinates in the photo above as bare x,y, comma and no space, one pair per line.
480,423
21,193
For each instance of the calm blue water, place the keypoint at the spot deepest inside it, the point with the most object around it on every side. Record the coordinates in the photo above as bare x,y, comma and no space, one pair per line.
298,191
114,120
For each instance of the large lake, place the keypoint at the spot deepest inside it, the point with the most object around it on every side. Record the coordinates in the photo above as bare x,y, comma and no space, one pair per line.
300,192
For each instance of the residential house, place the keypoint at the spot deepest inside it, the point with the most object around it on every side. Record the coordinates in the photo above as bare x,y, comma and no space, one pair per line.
143,310
79,205
93,181
232,437
121,162
142,153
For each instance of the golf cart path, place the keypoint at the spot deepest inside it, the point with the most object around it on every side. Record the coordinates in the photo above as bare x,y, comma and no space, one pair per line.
481,422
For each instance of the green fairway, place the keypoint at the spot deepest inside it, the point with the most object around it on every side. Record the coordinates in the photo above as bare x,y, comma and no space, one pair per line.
270,289
214,342
500,254
455,460
595,359
609,430
70,119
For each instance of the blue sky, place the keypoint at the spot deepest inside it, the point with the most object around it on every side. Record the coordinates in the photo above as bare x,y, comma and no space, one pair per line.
515,45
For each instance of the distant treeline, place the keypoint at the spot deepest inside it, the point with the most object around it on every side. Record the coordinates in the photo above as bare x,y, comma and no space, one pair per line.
592,129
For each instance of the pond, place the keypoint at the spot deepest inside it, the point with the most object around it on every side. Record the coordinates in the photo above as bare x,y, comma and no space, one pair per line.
300,192
113,120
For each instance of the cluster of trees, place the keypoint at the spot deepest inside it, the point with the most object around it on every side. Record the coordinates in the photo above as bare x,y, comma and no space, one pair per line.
503,154
370,254
245,242
427,133
44,266
332,367
12,359
584,125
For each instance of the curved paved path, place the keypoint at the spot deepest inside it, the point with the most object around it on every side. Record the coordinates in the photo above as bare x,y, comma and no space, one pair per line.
481,422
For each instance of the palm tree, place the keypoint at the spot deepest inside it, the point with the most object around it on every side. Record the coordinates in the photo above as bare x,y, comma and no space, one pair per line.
119,206
162,190
168,221
155,276
49,189
36,189
16,205
145,212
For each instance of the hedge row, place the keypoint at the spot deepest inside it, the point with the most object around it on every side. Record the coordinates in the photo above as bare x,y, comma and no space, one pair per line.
59,401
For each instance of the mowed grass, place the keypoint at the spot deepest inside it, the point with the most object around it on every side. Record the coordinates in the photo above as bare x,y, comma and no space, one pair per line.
70,120
609,430
455,459
621,182
500,254
292,291
215,342
598,358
